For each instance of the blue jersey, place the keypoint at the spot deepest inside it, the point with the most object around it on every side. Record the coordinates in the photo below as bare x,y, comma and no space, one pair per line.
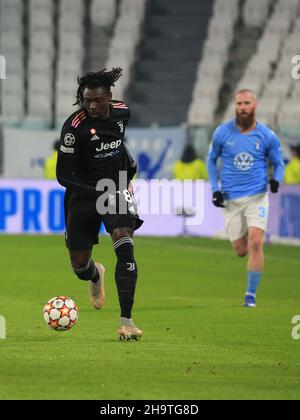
244,159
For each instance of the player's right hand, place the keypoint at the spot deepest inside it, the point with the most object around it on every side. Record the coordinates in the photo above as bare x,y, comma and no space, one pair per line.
274,185
218,199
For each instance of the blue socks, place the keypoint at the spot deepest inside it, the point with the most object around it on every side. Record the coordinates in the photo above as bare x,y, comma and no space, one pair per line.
254,278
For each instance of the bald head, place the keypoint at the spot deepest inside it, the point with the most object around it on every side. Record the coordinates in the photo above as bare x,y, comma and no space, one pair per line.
246,92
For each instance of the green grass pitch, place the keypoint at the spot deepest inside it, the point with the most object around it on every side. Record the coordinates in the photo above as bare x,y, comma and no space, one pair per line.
199,342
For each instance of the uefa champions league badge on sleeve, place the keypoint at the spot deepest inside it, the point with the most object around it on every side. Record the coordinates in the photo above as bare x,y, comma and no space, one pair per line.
69,139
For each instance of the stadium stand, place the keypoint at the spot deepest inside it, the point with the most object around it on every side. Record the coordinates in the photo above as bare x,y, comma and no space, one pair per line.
11,47
40,64
70,56
269,71
127,33
101,22
171,46
212,65
181,60
256,12
103,13
40,39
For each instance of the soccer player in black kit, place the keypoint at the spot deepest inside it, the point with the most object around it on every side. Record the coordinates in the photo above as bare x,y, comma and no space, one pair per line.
92,149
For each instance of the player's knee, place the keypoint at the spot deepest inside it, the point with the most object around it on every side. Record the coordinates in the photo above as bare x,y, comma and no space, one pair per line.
255,244
87,272
80,259
242,253
121,233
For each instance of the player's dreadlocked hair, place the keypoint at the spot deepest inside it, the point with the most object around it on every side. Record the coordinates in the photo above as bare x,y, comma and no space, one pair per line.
102,78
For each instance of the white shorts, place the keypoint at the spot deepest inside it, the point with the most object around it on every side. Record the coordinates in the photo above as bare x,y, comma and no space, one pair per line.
244,213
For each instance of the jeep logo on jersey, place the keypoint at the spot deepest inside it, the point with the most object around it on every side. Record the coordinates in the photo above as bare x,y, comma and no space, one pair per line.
244,161
69,139
107,146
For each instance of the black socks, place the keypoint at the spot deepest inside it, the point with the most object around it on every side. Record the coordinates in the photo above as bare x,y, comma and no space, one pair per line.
125,274
89,272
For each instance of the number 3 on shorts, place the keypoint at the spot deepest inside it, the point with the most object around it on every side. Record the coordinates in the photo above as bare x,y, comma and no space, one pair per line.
262,212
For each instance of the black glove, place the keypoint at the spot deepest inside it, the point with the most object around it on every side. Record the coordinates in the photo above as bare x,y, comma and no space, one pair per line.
274,185
218,199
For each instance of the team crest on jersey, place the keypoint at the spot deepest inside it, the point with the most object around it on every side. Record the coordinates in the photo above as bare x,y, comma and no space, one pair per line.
69,139
95,137
244,161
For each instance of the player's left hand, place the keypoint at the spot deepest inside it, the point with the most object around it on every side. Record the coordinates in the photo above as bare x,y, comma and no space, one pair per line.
218,199
130,187
274,186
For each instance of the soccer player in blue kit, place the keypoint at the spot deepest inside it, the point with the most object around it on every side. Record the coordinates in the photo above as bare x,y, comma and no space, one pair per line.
244,146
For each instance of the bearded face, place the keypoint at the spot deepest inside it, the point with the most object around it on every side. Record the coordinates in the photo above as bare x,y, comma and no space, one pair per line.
245,120
245,110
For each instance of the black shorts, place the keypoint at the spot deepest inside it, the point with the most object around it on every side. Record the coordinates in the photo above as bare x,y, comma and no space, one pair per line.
83,221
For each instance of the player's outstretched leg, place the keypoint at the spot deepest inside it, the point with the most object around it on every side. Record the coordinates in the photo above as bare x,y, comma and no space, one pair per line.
255,265
126,277
97,289
85,269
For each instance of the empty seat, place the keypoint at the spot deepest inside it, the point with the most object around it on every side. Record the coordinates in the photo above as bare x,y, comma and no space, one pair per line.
41,41
11,40
40,62
13,84
12,108
103,12
277,88
289,115
255,12
41,21
40,83
127,33
73,8
70,24
44,5
65,70
200,115
14,64
39,106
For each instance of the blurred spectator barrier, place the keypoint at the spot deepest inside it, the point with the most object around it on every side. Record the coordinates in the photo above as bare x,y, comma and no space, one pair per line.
36,207
155,150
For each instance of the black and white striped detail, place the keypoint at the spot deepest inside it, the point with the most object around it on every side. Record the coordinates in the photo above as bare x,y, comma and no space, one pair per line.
83,270
90,271
122,241
69,150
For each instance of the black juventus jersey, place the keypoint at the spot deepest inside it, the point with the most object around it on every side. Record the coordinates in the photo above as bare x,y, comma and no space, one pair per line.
93,149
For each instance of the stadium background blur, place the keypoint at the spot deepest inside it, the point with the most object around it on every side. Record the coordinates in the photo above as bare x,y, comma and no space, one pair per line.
182,62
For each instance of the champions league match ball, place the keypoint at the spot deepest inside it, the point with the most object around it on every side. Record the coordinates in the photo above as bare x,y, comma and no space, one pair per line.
61,313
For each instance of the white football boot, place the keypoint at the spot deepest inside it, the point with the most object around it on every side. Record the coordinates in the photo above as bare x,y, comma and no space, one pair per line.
128,331
97,290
